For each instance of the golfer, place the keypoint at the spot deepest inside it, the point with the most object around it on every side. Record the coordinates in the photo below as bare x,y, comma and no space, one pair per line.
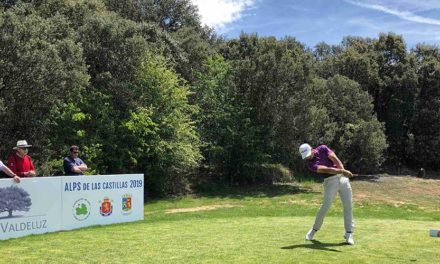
325,162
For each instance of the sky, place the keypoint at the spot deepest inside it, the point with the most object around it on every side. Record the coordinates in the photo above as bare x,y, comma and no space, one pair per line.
314,21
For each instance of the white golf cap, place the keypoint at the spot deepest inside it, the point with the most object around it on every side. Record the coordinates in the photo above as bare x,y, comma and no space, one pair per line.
305,150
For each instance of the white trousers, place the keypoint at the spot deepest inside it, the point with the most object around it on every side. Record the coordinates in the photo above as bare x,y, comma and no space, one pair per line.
333,184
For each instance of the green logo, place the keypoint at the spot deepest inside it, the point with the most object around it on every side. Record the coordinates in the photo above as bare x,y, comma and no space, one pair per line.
81,209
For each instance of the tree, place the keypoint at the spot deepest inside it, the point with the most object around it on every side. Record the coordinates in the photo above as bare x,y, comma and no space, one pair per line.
355,58
8,3
179,28
42,67
396,100
197,46
383,68
113,49
337,112
14,198
425,127
159,136
358,62
232,147
171,15
267,74
325,56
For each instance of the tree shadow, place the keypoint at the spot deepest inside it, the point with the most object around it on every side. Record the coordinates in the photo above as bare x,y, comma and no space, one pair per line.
318,245
367,178
252,191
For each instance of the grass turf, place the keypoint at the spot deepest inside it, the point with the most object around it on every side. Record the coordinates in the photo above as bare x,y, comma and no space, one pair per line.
264,225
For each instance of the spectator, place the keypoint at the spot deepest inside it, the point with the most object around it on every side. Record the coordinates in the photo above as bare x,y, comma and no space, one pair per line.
8,172
20,163
73,165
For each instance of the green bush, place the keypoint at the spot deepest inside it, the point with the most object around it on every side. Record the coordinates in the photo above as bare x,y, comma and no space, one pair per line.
276,173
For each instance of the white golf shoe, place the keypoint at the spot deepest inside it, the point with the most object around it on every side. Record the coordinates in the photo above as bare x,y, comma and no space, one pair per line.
310,234
349,238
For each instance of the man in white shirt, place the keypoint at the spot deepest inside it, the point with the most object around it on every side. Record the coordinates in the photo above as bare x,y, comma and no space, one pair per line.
6,170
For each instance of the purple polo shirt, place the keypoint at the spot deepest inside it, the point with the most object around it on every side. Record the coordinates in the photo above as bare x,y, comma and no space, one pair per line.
321,159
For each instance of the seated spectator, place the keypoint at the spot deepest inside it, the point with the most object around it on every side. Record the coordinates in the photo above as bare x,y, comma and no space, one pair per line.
73,165
20,162
8,172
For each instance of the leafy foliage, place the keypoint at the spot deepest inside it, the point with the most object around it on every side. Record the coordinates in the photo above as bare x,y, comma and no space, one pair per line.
232,142
41,68
425,127
340,114
171,15
384,69
161,138
268,74
142,86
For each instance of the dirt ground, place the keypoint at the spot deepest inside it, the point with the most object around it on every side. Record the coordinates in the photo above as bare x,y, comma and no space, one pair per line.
199,208
395,190
398,190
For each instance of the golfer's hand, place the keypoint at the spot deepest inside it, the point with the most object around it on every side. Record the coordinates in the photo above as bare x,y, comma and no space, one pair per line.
347,173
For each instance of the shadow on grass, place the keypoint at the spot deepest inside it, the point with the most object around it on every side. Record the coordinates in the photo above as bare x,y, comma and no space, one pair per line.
318,245
252,191
367,177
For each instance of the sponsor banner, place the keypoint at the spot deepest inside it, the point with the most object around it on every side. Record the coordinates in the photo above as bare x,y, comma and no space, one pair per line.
102,200
30,207
48,204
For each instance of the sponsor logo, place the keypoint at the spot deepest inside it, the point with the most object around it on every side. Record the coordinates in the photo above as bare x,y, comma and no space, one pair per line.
23,226
81,209
106,207
126,204
14,199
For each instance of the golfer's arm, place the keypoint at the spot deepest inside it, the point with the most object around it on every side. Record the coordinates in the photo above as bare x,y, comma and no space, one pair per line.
332,156
329,170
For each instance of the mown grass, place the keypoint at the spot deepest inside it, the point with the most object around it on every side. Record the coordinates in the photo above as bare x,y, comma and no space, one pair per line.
259,225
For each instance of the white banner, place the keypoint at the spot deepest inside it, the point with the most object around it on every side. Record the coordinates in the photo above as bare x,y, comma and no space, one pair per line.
102,200
31,207
48,204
